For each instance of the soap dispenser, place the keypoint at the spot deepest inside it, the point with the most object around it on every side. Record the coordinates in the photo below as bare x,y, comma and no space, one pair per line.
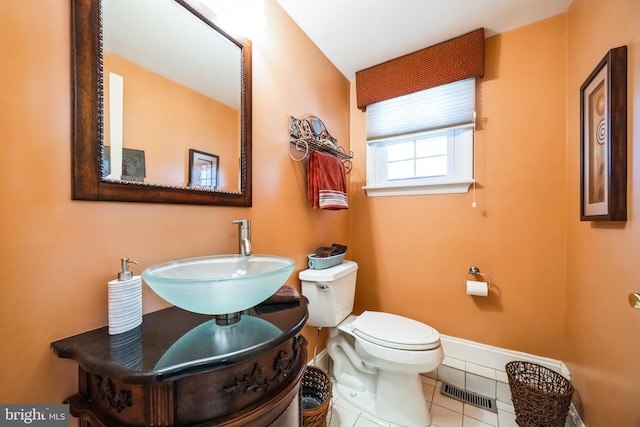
125,300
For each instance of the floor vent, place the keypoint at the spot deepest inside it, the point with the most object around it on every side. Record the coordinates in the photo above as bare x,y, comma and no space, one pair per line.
471,398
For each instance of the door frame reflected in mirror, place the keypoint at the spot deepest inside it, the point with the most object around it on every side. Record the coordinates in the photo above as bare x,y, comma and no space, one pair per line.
88,122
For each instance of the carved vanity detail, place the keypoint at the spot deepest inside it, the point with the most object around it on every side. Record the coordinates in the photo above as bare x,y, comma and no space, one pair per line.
182,369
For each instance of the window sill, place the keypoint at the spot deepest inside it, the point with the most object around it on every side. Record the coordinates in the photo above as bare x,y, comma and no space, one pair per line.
449,187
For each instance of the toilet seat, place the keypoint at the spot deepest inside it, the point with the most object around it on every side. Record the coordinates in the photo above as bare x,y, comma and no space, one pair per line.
393,331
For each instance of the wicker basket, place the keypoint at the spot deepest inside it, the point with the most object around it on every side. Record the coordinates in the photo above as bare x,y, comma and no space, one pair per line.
315,396
320,263
541,397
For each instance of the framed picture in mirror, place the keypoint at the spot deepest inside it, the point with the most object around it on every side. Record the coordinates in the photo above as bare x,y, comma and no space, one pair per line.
133,168
203,169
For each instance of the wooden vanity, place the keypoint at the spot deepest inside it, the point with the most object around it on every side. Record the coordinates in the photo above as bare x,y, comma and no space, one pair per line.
183,369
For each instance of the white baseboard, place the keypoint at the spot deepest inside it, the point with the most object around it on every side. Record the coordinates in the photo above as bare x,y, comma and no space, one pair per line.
494,357
575,417
321,360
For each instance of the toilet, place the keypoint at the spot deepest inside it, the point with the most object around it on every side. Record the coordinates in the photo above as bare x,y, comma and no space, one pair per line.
376,357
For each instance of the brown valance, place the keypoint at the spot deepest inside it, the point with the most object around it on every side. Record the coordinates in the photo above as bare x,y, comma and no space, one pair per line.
456,59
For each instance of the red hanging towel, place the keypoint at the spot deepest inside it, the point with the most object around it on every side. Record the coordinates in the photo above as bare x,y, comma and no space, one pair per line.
326,182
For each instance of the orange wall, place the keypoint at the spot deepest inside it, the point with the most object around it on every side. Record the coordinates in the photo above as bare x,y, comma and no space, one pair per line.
58,254
603,346
415,251
166,119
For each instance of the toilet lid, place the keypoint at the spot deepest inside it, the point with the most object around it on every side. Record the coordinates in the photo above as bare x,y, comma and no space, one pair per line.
391,330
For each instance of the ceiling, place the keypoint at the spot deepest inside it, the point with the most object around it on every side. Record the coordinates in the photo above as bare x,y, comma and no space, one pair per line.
357,34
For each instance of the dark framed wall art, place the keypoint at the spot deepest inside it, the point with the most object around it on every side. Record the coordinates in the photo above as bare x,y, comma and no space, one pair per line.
603,140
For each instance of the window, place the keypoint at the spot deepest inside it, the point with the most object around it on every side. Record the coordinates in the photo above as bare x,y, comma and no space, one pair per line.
422,143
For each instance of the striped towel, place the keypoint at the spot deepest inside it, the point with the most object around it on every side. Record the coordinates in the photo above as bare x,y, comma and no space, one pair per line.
326,182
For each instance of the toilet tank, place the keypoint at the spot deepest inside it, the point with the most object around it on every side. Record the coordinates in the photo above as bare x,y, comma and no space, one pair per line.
330,293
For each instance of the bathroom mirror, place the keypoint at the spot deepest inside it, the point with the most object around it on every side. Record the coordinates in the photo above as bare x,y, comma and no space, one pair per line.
161,104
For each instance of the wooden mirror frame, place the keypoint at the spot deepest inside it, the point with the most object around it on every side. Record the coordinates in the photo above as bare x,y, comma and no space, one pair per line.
88,122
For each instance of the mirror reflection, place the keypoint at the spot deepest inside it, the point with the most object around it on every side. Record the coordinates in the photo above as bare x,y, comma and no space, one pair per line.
210,340
172,97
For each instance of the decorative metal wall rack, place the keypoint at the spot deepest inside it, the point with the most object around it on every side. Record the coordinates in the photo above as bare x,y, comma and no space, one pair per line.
309,134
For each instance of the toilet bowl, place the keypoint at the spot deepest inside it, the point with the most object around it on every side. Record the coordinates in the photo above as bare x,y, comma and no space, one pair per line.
376,357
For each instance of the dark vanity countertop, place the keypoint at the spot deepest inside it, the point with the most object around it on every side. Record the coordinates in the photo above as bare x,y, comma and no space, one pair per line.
173,343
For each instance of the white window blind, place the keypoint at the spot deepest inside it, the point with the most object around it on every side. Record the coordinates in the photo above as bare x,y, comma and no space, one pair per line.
422,143
435,108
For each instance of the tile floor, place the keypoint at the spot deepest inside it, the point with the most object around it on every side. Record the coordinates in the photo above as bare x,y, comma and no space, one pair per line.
445,412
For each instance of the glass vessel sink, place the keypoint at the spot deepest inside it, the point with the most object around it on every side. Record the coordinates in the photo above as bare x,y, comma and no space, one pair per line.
219,284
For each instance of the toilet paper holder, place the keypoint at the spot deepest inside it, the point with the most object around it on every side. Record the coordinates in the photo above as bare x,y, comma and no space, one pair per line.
475,271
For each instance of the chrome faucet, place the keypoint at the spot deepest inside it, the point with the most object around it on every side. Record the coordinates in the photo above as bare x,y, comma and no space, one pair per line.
244,236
